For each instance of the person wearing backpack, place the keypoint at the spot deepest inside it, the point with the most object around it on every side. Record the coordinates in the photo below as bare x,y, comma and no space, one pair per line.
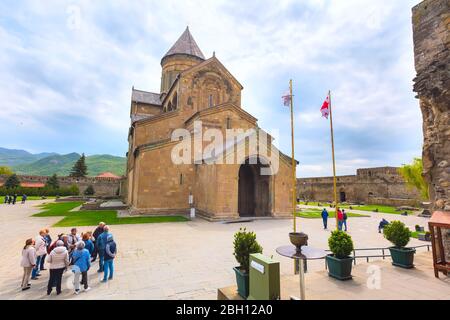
344,220
110,254
81,259
340,217
101,246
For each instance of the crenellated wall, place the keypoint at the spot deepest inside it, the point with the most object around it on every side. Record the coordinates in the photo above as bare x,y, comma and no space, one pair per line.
372,185
104,187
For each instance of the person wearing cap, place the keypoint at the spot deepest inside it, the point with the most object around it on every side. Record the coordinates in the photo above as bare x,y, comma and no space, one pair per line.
58,261
81,263
101,246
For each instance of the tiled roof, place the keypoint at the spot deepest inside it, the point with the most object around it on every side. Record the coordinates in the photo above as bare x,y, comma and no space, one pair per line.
107,175
32,184
145,97
186,45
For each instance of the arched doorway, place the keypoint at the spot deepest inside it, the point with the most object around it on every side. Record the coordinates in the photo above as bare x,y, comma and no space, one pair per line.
342,196
253,191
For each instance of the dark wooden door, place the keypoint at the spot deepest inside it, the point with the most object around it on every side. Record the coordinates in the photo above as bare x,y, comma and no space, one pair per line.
246,192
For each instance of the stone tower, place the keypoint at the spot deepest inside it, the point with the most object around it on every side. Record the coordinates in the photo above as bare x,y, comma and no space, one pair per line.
183,55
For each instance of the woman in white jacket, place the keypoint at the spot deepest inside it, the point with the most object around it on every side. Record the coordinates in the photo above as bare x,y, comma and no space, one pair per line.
28,262
41,250
58,260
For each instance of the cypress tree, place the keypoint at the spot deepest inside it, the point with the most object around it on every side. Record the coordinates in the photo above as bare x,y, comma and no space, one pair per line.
79,169
53,182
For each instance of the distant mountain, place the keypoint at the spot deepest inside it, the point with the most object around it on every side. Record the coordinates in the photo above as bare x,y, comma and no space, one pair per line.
45,164
11,157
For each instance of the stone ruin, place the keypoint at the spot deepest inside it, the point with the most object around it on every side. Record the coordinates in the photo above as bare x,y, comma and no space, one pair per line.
431,24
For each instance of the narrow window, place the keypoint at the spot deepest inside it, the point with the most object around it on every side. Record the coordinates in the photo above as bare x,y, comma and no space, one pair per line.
181,179
210,100
228,123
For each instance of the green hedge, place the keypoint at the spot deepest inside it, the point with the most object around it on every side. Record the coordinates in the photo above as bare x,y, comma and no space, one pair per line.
45,191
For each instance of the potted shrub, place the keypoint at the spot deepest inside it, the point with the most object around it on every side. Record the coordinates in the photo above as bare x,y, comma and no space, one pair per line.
339,262
244,244
397,233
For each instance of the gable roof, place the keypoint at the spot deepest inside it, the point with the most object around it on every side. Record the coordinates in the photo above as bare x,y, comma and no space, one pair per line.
185,45
145,97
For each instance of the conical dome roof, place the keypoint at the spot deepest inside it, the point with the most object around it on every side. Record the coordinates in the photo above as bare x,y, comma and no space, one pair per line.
185,45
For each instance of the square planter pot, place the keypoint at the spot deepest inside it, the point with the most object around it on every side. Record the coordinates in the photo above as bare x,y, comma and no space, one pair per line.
340,269
243,282
402,257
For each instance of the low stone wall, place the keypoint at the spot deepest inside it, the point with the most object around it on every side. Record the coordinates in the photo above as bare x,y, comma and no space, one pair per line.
394,202
103,187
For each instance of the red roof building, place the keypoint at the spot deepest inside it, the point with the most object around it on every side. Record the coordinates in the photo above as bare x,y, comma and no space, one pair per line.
107,175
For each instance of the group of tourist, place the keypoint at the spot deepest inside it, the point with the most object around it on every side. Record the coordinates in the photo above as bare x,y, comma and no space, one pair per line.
342,219
74,250
13,199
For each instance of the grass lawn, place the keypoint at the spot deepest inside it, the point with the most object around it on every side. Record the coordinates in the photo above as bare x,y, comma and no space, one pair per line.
316,214
92,218
369,208
57,209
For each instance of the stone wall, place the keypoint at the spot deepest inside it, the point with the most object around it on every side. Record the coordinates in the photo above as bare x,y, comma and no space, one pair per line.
431,24
372,186
103,187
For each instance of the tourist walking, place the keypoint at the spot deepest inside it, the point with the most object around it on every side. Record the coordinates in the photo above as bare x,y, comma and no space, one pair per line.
58,261
97,232
6,199
10,199
81,263
340,217
48,242
24,198
344,219
383,223
41,250
72,239
14,199
110,254
28,262
88,244
101,246
325,218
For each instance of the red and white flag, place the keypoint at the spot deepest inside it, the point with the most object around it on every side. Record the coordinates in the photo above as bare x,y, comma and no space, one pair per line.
326,107
287,99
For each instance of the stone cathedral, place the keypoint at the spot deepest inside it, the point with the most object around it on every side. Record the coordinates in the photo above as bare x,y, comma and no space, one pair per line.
198,90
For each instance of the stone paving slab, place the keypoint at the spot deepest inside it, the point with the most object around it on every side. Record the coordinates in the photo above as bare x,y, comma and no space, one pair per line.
188,260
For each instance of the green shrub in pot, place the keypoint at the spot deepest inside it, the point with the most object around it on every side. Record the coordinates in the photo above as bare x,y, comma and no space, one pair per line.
244,244
339,262
399,235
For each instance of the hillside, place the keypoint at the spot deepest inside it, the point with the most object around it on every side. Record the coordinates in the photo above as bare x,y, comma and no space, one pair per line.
45,164
11,157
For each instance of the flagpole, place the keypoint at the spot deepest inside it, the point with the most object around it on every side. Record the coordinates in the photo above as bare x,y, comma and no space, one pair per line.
334,163
294,178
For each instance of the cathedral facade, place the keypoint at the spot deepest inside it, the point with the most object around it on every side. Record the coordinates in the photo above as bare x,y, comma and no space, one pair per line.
176,160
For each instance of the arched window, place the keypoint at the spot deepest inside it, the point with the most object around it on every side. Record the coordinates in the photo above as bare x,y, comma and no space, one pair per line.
169,107
210,101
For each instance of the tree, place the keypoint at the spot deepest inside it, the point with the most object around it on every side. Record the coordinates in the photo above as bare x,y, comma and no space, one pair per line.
53,182
12,182
89,191
412,173
79,169
4,170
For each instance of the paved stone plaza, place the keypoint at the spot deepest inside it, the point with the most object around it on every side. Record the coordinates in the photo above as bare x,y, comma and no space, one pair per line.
188,260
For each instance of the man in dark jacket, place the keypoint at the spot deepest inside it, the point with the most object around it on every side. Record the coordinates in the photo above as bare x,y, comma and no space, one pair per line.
97,232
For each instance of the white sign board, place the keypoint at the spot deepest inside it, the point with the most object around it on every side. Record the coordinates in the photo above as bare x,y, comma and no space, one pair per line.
259,267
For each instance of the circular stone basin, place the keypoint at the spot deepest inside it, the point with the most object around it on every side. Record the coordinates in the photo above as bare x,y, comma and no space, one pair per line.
298,239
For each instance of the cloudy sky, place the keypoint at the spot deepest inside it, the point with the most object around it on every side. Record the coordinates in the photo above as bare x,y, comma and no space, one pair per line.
67,68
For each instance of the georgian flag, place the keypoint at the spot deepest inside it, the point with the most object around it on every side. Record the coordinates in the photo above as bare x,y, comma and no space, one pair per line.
326,107
287,99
